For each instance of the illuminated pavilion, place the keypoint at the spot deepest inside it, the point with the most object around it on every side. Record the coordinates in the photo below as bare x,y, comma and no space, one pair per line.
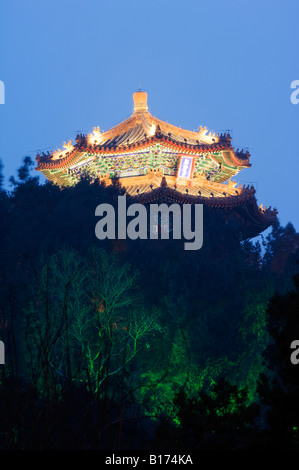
159,162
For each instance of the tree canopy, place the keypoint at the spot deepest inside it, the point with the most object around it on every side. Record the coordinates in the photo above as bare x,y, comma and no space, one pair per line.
140,336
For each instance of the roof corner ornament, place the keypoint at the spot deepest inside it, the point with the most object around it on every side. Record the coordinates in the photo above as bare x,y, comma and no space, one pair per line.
95,137
231,184
68,147
202,131
152,130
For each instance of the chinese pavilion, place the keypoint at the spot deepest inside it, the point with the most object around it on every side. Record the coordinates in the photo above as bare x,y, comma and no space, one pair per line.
158,161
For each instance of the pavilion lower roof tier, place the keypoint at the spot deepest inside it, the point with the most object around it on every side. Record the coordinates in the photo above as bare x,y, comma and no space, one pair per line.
240,200
201,191
237,201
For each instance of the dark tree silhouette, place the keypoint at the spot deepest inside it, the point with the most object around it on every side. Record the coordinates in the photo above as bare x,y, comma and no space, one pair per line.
139,333
279,387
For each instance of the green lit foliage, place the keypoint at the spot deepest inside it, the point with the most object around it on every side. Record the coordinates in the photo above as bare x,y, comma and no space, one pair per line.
220,419
109,337
256,338
162,379
86,322
214,316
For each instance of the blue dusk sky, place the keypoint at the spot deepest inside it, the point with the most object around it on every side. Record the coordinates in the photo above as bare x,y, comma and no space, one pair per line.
71,65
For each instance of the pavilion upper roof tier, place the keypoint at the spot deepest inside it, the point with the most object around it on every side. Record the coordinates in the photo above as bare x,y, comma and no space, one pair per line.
142,124
140,130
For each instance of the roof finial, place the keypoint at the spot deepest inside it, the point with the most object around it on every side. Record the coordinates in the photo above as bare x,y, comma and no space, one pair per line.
140,101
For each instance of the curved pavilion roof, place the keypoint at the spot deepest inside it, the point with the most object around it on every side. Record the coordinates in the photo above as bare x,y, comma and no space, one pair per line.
141,132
